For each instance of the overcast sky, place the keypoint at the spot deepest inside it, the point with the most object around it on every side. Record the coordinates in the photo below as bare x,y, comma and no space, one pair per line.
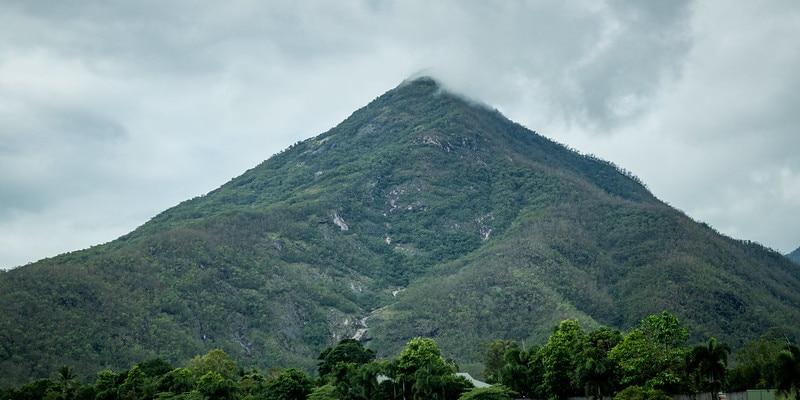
112,111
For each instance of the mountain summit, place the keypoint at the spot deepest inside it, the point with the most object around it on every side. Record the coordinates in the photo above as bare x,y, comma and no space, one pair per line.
421,214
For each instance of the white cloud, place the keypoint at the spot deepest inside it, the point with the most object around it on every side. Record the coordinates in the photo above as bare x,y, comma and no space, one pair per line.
137,106
720,140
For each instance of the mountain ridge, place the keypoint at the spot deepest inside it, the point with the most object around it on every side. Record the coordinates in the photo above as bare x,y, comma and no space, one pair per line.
795,255
430,214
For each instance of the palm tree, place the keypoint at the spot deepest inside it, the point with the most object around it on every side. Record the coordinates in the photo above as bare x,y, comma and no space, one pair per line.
709,361
787,371
67,380
597,377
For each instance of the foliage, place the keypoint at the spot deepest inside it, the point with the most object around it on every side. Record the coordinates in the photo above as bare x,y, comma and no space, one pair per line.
179,380
787,371
290,385
424,375
212,385
438,382
215,361
665,330
495,358
516,374
651,355
596,372
155,367
422,372
346,351
494,392
756,361
601,362
639,393
709,363
324,392
560,359
420,353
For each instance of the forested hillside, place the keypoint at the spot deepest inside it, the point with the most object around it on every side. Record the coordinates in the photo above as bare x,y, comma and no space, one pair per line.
421,215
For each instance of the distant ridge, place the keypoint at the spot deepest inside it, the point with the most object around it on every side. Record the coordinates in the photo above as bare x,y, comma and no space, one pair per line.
795,255
421,214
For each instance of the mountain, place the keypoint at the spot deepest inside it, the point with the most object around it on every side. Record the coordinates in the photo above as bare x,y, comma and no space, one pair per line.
422,214
795,255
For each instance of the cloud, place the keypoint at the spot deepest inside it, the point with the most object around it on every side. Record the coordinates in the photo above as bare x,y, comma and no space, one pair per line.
110,106
719,141
564,62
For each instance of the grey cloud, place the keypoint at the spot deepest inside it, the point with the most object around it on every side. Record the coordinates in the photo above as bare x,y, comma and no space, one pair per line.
190,37
59,156
595,67
591,66
104,102
643,48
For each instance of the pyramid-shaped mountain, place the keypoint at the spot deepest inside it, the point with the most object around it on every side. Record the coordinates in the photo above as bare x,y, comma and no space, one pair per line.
422,214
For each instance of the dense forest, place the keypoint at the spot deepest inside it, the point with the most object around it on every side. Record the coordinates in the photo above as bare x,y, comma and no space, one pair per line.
649,362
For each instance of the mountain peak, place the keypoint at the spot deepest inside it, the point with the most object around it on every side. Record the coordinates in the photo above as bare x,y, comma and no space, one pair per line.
418,215
424,81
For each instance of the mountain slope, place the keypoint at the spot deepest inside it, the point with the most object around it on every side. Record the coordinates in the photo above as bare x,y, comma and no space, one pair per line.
422,214
795,255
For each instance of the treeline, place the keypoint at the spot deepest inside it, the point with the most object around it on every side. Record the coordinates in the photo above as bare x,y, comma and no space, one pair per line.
647,363
345,371
651,361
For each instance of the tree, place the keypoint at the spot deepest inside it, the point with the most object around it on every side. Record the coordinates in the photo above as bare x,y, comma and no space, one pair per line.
787,372
421,371
665,329
346,351
560,359
155,367
755,362
651,355
344,377
494,392
324,392
251,385
597,377
709,363
142,381
291,384
38,389
436,381
638,393
353,381
134,385
515,374
596,372
106,385
68,381
66,376
214,361
177,381
214,386
419,352
495,358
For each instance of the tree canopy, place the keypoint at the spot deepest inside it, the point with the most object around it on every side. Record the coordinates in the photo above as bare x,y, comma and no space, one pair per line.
647,363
